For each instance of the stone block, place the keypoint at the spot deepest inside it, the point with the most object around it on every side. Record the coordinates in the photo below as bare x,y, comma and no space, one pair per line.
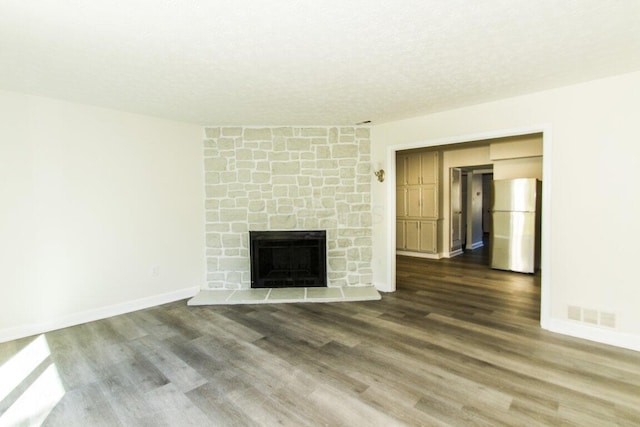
340,151
324,165
353,254
260,177
260,134
328,203
322,152
363,133
244,154
212,132
285,168
259,155
284,180
333,135
231,240
337,264
257,206
212,263
280,145
364,242
211,204
231,131
328,223
328,191
280,191
298,144
240,227
211,178
229,177
282,222
211,152
313,131
233,264
219,227
365,147
228,203
213,240
283,156
364,168
258,219
233,215
353,220
347,173
263,166
215,191
215,164
282,131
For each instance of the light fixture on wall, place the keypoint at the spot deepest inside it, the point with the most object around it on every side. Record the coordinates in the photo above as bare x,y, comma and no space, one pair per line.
379,174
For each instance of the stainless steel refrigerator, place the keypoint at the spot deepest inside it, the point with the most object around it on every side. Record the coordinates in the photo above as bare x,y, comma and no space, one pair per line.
515,231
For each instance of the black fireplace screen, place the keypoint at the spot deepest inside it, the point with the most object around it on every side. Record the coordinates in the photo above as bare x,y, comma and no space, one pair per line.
285,259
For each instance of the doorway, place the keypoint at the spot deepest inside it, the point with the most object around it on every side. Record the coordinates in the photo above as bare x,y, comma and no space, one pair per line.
544,133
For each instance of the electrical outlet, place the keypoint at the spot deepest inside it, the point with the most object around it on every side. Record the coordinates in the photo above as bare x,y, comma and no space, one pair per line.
590,316
155,271
608,319
574,313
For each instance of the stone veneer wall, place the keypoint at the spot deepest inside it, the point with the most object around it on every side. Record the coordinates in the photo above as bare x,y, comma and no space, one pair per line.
287,178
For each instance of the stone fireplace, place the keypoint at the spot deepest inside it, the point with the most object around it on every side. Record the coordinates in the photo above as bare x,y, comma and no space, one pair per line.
287,179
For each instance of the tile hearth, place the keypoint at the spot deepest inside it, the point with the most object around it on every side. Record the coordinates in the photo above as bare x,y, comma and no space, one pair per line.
284,295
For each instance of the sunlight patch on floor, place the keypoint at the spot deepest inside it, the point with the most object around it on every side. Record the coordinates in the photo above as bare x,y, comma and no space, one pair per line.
40,395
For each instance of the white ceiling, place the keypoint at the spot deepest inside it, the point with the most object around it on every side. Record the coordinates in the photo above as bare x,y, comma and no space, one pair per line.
321,62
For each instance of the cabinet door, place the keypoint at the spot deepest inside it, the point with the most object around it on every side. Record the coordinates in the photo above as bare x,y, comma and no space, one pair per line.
429,167
401,202
400,235
414,201
428,236
412,235
429,201
413,172
401,174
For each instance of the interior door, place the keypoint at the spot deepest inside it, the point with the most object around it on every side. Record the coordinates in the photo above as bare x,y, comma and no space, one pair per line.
455,192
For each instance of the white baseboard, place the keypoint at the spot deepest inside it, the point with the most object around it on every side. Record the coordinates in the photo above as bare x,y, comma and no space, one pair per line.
475,245
452,254
419,254
23,331
593,333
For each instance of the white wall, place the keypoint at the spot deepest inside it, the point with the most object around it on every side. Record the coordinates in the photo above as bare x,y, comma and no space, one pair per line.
592,169
100,212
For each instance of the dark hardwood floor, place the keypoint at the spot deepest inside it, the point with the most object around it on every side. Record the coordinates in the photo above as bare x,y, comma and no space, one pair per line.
457,344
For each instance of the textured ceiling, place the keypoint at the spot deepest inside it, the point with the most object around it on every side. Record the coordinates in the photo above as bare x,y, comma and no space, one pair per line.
308,62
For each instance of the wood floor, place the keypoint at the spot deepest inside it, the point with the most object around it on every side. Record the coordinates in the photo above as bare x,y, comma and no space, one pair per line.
457,344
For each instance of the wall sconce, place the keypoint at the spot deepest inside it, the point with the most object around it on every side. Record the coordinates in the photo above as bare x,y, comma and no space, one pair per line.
379,174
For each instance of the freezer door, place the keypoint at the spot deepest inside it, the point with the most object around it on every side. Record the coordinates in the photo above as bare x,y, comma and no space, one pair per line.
514,195
513,239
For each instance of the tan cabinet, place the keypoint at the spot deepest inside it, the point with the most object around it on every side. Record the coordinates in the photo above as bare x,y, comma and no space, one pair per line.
417,209
400,234
417,168
428,236
417,236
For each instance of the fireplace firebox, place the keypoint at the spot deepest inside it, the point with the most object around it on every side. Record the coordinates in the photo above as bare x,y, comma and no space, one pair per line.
286,259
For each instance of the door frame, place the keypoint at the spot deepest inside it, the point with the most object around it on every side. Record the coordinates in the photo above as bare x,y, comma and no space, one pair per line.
545,259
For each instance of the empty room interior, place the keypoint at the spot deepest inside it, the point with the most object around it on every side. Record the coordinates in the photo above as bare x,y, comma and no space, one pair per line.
319,213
